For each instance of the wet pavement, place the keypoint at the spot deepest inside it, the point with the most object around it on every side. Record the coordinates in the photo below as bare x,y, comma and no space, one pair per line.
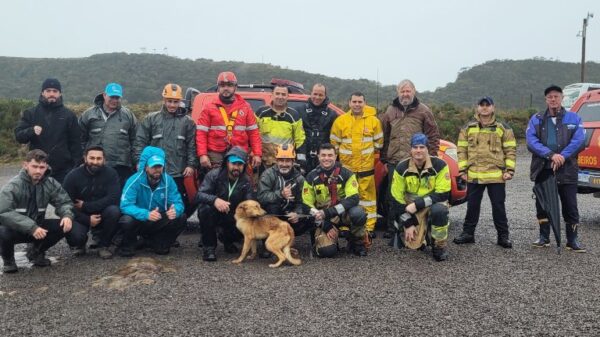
483,290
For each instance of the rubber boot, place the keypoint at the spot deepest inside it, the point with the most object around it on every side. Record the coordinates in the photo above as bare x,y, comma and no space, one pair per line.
572,242
440,251
544,239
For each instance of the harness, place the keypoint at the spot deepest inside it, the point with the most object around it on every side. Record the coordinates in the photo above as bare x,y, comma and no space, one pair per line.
331,183
228,123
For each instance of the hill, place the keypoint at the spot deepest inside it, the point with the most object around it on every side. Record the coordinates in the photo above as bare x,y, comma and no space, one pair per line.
513,84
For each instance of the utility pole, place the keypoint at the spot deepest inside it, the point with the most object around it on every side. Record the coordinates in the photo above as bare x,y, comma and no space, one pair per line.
583,34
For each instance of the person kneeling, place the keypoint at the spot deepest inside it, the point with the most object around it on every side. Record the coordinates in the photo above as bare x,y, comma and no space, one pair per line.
151,206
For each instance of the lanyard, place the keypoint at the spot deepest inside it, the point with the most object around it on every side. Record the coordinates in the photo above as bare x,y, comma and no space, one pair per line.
231,188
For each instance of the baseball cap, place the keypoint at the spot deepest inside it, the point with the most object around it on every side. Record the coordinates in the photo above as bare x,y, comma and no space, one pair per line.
235,159
155,161
487,99
552,87
418,139
114,89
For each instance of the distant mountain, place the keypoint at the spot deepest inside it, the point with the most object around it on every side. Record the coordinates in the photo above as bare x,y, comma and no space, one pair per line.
513,84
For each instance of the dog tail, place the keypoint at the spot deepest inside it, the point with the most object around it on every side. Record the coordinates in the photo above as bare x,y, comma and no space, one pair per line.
288,255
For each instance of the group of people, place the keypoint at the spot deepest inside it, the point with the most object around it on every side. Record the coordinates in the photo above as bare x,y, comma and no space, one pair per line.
123,181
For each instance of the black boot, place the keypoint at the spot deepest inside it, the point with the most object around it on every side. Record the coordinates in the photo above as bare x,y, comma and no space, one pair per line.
37,256
440,252
504,241
544,239
572,242
358,248
463,238
10,265
263,252
208,254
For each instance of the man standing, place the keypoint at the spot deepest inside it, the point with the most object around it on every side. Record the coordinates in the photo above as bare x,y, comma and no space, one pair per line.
151,206
222,190
330,192
225,122
317,119
554,138
23,202
52,128
280,125
357,136
112,126
402,119
174,132
422,182
95,192
486,159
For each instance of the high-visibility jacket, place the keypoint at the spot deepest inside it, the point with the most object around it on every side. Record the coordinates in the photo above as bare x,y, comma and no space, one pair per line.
486,152
356,139
281,128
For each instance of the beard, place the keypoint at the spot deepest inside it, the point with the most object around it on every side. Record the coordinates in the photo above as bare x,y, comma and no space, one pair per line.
93,169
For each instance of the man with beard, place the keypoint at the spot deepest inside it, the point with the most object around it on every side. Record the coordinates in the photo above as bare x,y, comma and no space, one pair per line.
95,193
112,126
52,128
317,119
222,190
224,122
23,202
330,193
151,206
174,132
402,119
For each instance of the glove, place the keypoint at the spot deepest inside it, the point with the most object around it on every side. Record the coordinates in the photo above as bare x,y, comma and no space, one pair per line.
407,220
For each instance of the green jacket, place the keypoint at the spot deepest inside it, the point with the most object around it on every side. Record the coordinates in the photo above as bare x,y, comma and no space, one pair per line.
115,133
175,134
14,202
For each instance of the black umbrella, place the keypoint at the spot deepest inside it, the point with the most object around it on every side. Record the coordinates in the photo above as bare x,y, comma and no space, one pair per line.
546,193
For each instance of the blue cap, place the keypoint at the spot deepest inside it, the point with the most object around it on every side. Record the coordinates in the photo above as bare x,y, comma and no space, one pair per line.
235,159
487,99
155,161
114,89
418,139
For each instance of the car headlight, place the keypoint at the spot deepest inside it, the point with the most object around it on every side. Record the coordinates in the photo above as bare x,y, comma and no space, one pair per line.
452,153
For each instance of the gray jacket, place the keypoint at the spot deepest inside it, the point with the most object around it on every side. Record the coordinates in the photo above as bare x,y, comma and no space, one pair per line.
175,134
15,196
114,132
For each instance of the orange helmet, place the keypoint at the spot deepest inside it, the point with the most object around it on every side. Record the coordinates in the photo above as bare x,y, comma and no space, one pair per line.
285,151
227,77
172,91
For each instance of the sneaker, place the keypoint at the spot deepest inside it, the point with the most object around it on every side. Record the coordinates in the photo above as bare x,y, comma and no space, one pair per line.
10,266
38,259
105,253
541,243
208,254
575,247
464,238
78,251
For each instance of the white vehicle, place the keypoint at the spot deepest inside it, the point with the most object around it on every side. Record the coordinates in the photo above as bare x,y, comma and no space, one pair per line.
573,91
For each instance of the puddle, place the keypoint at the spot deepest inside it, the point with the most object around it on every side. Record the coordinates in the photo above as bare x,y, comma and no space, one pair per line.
23,262
138,271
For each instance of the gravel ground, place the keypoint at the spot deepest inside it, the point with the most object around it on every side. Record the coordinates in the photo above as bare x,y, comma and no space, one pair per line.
482,290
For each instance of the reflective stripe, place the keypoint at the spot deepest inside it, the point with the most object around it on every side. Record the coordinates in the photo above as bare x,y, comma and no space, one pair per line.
347,140
157,136
371,215
428,201
485,175
41,209
239,128
344,151
367,203
336,138
201,127
509,163
20,210
96,130
123,131
218,127
462,164
301,156
367,139
339,208
463,143
378,146
378,136
439,232
252,127
181,137
510,143
367,151
276,140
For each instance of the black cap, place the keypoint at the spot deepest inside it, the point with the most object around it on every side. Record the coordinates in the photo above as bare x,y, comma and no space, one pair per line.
51,83
487,99
553,87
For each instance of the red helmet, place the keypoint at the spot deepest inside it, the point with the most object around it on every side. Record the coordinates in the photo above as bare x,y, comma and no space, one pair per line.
226,77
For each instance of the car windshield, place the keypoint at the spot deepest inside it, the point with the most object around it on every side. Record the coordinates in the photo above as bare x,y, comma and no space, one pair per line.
570,95
590,112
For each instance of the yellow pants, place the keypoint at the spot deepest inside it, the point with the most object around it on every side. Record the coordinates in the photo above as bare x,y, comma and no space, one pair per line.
367,192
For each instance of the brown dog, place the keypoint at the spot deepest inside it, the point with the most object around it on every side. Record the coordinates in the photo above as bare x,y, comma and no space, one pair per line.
255,225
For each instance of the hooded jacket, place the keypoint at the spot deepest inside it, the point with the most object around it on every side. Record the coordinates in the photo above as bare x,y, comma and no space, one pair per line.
114,132
138,198
216,184
272,182
60,137
16,205
174,133
486,152
399,124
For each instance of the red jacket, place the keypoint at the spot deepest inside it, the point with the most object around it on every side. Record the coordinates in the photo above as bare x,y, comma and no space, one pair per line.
211,132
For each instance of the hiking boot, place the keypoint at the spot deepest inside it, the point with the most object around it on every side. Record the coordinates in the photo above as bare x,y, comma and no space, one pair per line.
575,247
105,253
464,238
358,248
208,254
10,266
231,248
37,258
78,251
125,252
440,253
504,241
